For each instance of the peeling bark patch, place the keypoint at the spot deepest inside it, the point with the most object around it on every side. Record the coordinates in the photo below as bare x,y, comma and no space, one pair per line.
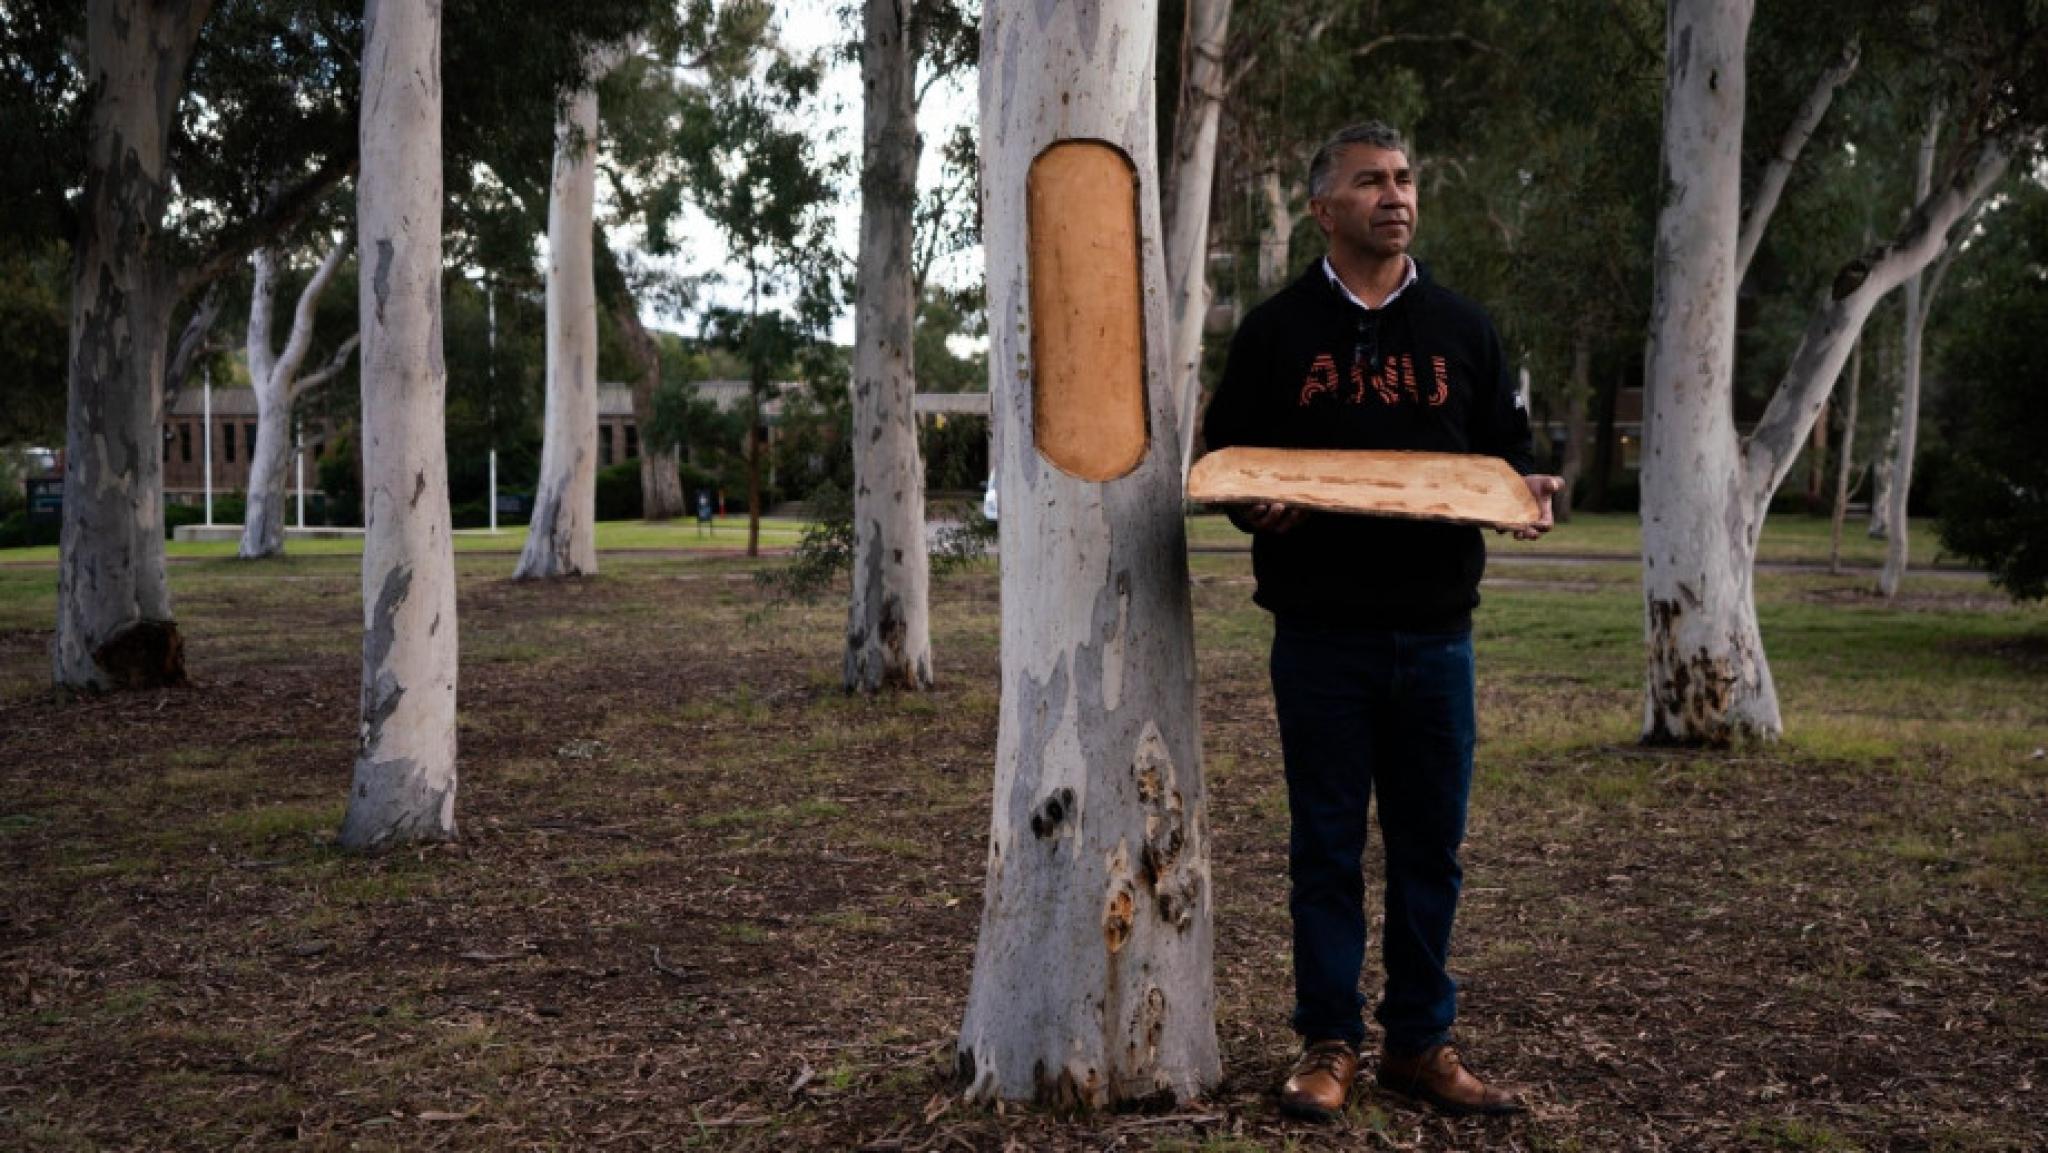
1119,912
381,281
1046,819
1176,885
419,488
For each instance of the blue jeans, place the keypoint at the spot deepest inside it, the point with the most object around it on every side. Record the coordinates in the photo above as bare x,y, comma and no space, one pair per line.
1365,711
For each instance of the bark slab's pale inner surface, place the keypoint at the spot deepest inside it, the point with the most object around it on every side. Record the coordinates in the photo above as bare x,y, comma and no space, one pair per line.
1087,315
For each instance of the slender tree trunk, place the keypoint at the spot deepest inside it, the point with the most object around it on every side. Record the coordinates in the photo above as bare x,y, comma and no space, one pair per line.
1577,394
1708,678
661,487
1092,975
1817,459
114,624
561,539
275,380
1772,184
1190,180
757,403
1898,532
1598,493
1845,459
1881,468
1274,232
888,620
404,782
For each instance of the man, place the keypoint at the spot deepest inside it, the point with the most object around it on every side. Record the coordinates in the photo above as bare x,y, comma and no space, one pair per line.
1372,644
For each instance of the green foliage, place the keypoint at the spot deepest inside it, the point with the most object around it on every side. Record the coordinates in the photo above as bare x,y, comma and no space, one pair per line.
619,496
33,346
822,556
1994,496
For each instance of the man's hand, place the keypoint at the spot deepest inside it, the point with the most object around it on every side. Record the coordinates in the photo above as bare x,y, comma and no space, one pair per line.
1274,518
1542,488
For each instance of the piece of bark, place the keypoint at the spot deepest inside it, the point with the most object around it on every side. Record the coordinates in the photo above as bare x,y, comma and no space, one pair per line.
1442,486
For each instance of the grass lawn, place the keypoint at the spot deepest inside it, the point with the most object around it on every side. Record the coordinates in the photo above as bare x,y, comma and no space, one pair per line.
703,899
728,534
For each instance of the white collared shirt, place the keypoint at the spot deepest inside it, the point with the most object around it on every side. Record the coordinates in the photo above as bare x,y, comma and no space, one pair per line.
1337,282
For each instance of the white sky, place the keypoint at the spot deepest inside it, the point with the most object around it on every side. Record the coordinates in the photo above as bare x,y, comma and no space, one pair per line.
814,24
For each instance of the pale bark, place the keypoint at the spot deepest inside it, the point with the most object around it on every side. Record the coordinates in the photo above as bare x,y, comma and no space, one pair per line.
1190,180
1830,333
1845,457
114,624
1705,498
561,539
1771,186
1274,231
404,780
888,619
1708,677
275,378
1092,975
1915,332
1881,470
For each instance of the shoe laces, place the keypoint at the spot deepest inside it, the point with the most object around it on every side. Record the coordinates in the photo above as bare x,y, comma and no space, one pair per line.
1322,1057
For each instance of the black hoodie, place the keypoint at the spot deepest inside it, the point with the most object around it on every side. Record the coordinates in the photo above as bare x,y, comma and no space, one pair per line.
1310,369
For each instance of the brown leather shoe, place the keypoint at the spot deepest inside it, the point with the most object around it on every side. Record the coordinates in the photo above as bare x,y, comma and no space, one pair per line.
1320,1080
1437,1077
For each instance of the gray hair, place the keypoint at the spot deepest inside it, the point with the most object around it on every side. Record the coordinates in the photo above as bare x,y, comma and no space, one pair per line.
1372,133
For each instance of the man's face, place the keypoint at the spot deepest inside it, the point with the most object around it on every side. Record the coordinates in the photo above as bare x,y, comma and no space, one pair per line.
1370,204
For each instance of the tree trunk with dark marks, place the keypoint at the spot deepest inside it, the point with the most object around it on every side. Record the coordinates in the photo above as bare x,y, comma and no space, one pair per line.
1708,678
1092,974
114,624
275,378
888,620
561,539
1190,181
404,782
1704,495
661,486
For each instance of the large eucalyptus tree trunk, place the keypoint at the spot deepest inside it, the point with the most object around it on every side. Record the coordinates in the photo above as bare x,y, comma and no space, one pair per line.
1708,679
1190,180
1705,497
888,621
561,539
1092,979
275,378
404,782
114,624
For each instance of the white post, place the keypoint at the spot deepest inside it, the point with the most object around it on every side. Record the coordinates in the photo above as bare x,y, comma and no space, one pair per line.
206,440
299,459
494,490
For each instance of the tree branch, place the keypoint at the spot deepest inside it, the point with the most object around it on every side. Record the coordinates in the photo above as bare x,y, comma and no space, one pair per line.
334,365
1831,333
282,212
1779,170
301,338
1393,38
193,343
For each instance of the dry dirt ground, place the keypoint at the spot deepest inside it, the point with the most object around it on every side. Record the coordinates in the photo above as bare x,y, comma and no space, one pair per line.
702,899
